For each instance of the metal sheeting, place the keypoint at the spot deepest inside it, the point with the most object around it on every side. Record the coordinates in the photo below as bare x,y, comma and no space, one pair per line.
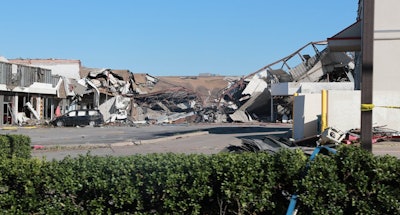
27,75
5,72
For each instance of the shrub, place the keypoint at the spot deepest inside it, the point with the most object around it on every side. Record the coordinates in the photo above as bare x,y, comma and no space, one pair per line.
14,145
352,181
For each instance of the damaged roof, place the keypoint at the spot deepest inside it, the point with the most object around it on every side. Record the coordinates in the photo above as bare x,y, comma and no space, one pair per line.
207,88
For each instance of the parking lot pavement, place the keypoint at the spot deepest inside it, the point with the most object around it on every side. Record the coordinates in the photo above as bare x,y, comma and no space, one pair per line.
203,143
387,148
124,141
197,142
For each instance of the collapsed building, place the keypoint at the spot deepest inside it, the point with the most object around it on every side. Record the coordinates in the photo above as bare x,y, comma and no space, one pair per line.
141,98
178,99
252,97
35,91
26,93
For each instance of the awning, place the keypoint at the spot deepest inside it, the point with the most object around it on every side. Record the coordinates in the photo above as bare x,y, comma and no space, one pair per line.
348,39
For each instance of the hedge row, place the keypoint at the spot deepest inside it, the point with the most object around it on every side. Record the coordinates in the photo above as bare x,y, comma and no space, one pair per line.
15,145
350,182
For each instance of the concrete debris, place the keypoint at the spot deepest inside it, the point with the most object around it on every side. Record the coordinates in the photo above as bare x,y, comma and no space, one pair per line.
331,137
123,96
30,108
253,94
22,118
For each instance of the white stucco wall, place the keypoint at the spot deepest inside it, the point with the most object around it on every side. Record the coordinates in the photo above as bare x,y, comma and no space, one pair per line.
344,109
306,109
386,87
344,112
387,45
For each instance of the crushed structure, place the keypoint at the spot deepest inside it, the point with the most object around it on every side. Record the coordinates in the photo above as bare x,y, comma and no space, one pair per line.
250,98
122,96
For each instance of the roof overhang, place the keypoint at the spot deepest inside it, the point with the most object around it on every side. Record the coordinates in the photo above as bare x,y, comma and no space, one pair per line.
36,87
348,39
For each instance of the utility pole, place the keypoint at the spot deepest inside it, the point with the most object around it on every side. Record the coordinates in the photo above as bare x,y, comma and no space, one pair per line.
367,51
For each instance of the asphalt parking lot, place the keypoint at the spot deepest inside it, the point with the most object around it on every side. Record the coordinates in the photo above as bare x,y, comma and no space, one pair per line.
57,143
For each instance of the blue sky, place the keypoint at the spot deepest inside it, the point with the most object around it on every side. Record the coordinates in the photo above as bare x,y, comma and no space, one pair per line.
169,37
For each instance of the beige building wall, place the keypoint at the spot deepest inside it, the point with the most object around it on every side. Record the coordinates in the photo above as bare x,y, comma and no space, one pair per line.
387,45
387,63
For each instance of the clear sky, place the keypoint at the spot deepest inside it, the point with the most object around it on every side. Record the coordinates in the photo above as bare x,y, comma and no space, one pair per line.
169,37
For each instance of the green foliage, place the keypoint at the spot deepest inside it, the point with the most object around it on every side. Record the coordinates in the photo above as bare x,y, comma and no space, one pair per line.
352,181
289,167
243,183
15,145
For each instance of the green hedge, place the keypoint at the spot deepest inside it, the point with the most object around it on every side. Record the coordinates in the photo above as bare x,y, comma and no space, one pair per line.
15,145
350,182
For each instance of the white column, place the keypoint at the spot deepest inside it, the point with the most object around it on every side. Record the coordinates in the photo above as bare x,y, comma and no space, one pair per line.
38,106
15,109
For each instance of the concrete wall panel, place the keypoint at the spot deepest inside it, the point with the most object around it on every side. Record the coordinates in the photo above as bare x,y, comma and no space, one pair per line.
307,107
344,109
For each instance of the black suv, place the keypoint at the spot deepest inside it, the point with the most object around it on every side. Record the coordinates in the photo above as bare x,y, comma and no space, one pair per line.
79,118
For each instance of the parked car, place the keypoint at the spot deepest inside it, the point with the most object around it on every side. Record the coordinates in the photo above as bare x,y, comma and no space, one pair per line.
79,118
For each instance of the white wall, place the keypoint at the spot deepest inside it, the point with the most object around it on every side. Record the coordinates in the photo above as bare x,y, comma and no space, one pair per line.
289,88
386,116
386,87
69,70
306,108
65,68
344,112
344,109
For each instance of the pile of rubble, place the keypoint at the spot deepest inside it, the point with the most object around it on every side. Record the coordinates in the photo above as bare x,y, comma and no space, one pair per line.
250,98
122,96
142,98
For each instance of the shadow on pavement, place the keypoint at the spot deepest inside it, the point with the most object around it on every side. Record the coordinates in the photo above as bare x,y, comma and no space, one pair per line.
230,130
240,130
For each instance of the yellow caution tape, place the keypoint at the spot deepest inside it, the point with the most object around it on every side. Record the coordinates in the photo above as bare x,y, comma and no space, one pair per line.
369,107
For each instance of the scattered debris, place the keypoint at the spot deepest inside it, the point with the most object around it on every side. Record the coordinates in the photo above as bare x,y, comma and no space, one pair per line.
122,96
272,144
250,97
37,147
379,134
330,137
